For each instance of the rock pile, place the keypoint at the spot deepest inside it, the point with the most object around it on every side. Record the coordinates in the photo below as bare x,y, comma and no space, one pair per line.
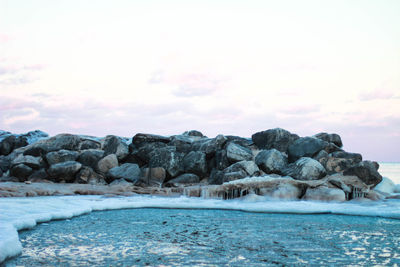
187,159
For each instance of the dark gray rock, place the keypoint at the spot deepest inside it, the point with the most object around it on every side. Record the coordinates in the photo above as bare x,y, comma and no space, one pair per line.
181,142
305,147
193,133
90,157
153,176
367,171
169,159
5,163
354,157
234,175
277,138
1,173
331,138
38,175
21,171
120,182
245,142
143,154
248,166
195,162
55,143
271,161
32,162
127,171
209,145
87,175
221,160
236,153
141,138
20,141
115,145
7,145
107,163
305,169
186,178
64,171
216,177
89,144
61,156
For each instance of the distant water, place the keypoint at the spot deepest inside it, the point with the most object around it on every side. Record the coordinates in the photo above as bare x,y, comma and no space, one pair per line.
390,170
140,237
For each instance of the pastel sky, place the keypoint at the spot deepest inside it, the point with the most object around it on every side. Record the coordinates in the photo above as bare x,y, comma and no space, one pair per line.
218,66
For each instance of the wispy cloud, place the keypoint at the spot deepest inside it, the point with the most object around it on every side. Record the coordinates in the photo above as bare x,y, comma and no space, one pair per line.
376,94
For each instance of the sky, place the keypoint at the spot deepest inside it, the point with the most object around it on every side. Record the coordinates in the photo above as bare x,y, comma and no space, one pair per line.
221,67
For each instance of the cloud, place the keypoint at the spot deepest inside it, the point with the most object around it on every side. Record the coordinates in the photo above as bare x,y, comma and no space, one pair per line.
299,110
4,38
376,94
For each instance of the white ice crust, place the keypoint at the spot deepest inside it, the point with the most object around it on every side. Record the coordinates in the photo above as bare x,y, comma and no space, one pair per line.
23,213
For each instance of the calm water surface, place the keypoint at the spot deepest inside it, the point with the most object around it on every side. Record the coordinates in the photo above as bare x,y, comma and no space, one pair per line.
210,237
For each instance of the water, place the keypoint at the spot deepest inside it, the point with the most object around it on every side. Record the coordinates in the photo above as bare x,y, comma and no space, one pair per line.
210,237
390,170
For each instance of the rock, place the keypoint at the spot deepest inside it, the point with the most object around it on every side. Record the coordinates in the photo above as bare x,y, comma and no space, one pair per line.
89,144
143,154
107,163
141,138
187,178
282,190
181,142
237,153
305,147
38,175
305,169
169,159
1,172
87,175
229,176
244,142
249,167
331,138
61,156
277,138
324,193
321,157
346,182
354,157
5,163
193,133
216,177
209,145
195,162
127,171
386,186
64,170
90,157
153,176
367,171
115,145
55,143
374,195
271,161
7,145
21,171
32,162
20,141
221,160
120,182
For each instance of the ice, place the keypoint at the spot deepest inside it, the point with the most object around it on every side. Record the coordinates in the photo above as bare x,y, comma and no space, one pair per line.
386,186
23,213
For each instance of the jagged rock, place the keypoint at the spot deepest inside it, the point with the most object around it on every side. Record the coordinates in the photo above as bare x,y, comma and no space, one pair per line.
195,162
305,147
144,153
186,178
153,176
236,153
193,133
221,159
32,162
346,182
107,163
367,171
38,175
90,144
87,175
7,145
324,193
282,190
21,171
1,173
209,145
169,159
229,176
305,169
244,142
332,138
61,156
181,142
249,167
277,138
321,157
216,177
127,171
271,161
64,170
90,157
115,145
55,143
5,163
354,157
141,138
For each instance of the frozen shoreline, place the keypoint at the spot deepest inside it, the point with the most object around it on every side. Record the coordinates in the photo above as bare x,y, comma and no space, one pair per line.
23,213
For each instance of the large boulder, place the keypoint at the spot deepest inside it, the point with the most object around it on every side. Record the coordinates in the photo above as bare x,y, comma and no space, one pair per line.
153,176
169,159
331,138
237,152
87,175
209,145
90,157
143,154
64,171
7,145
61,156
5,163
193,133
367,171
107,163
324,193
89,144
55,143
305,169
127,171
271,161
216,177
38,176
195,162
141,139
32,162
249,167
277,138
181,142
115,145
221,160
21,171
305,147
184,179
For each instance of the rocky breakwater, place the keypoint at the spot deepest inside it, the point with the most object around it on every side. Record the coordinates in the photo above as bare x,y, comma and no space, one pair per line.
274,163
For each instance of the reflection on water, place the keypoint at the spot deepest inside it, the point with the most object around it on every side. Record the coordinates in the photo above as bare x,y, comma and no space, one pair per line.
211,237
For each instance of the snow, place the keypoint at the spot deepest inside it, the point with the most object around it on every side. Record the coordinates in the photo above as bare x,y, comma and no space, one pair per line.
386,186
23,213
